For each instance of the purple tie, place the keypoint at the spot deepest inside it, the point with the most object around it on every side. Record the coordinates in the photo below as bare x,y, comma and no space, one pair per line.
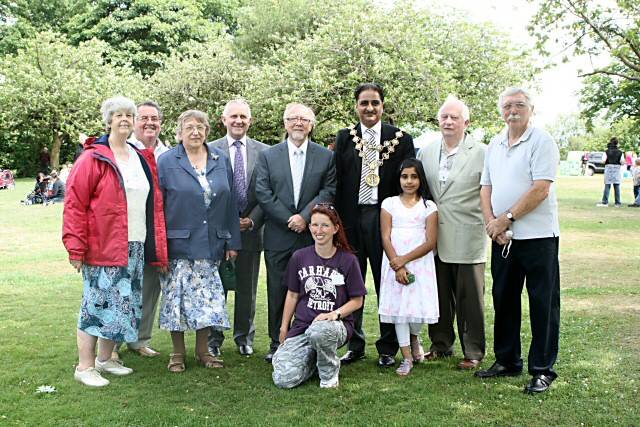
239,178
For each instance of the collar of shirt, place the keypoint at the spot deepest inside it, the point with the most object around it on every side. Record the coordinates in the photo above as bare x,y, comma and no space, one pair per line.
377,128
504,140
292,147
231,140
139,145
444,148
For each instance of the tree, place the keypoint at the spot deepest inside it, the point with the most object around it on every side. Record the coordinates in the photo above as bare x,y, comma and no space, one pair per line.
52,91
582,27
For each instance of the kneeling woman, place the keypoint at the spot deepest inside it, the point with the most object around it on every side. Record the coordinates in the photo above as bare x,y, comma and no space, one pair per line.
325,287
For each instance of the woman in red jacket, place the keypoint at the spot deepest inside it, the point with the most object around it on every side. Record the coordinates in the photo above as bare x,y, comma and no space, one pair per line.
112,225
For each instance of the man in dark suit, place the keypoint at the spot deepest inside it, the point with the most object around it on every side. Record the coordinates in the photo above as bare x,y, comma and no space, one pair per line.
361,188
291,178
243,152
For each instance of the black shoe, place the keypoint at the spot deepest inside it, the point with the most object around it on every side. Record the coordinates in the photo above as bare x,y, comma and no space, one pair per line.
215,350
386,361
245,350
350,357
633,205
538,384
497,370
269,357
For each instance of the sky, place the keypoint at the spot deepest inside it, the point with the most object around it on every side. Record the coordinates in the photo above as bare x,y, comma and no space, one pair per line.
556,93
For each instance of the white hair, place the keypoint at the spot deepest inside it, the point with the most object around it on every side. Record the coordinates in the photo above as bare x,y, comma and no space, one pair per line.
514,90
289,107
115,104
453,98
238,101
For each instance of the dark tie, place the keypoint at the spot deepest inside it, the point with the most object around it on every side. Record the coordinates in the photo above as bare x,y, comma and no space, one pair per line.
239,178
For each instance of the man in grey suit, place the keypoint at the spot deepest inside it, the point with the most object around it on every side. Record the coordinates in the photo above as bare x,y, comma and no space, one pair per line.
292,177
243,152
453,166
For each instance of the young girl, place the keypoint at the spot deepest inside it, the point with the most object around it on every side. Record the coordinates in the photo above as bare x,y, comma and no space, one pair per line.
408,288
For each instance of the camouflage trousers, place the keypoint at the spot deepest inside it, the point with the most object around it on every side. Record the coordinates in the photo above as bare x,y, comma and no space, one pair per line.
317,348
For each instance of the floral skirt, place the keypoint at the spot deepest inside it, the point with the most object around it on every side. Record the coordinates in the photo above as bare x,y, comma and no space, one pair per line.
192,296
112,298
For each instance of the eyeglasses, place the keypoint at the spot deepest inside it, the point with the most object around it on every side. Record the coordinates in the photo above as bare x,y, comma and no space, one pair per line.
199,128
296,119
517,105
152,119
326,205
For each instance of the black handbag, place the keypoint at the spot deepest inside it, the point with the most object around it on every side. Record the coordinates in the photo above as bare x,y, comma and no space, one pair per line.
227,271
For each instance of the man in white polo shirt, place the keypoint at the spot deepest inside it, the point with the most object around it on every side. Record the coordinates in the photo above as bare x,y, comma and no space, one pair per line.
521,212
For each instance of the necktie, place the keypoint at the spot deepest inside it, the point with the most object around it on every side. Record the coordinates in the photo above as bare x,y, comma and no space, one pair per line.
239,178
370,155
296,173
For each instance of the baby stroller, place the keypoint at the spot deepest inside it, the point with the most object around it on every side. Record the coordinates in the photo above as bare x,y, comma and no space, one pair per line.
6,180
39,194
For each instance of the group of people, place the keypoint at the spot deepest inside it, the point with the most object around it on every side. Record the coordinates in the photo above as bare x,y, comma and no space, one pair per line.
143,219
47,189
615,160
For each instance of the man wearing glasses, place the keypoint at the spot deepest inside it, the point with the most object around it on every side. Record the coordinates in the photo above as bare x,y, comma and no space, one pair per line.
146,132
243,152
521,214
368,156
291,178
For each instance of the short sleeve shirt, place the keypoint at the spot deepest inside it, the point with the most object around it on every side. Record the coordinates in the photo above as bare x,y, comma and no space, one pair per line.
510,171
324,285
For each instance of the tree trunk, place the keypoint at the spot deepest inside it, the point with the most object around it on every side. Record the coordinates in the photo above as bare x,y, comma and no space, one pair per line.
55,150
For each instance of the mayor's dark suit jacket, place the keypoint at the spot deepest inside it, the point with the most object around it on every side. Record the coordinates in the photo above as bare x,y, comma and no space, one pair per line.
274,191
349,167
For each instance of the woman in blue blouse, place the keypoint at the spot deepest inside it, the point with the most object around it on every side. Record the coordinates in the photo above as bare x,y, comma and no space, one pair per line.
202,229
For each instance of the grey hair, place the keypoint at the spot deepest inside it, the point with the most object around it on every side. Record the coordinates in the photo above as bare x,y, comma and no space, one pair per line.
152,104
290,106
238,101
453,98
115,104
514,90
198,115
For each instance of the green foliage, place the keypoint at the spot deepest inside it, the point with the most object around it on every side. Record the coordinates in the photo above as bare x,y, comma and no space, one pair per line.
52,91
569,132
143,33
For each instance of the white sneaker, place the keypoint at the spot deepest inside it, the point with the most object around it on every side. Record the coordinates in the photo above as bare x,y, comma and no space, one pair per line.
90,377
602,205
330,383
112,367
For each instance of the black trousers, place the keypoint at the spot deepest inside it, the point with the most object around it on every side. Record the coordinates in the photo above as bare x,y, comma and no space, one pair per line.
370,248
536,262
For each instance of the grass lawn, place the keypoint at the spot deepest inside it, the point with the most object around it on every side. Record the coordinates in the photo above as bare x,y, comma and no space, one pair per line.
597,365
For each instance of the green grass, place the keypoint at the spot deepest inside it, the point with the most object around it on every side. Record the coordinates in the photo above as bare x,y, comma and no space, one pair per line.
599,348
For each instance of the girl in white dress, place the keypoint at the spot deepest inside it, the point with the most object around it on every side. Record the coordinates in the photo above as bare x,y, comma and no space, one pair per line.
408,287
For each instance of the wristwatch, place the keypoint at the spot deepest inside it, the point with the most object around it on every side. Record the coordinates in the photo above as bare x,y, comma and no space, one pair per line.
510,216
338,313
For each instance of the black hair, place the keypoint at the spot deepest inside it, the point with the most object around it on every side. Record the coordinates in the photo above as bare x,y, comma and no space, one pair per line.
369,86
423,188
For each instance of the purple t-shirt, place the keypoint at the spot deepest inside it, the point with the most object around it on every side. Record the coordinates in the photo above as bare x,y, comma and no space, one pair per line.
324,285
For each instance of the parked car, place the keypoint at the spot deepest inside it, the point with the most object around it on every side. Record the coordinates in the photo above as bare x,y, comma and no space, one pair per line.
595,164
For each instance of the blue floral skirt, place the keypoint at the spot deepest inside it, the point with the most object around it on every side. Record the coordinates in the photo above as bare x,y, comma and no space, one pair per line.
192,296
112,298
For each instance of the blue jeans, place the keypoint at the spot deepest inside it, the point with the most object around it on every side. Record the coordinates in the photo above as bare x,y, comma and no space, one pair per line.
607,189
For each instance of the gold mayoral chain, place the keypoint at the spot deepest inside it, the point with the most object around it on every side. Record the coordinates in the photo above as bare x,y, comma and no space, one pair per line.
373,179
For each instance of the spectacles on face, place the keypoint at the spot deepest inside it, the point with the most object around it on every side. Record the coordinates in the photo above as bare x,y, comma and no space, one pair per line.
516,105
199,128
298,119
152,119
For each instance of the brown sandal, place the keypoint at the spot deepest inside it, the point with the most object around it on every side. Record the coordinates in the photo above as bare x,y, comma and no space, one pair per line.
176,362
208,360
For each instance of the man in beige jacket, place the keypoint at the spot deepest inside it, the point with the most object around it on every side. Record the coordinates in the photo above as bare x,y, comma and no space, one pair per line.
453,166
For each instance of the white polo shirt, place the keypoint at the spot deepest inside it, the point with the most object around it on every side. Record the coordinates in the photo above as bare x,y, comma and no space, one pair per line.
510,171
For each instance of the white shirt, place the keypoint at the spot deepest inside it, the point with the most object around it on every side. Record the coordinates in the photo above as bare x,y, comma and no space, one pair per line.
159,149
297,181
137,189
232,152
377,128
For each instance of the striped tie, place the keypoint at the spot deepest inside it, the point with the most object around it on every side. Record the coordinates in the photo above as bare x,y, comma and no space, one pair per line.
364,197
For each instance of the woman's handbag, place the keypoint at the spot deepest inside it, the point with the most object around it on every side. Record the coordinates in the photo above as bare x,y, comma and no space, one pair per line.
227,272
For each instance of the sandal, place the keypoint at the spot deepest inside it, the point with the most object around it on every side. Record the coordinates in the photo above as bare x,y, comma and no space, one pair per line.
417,352
404,368
176,362
208,360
